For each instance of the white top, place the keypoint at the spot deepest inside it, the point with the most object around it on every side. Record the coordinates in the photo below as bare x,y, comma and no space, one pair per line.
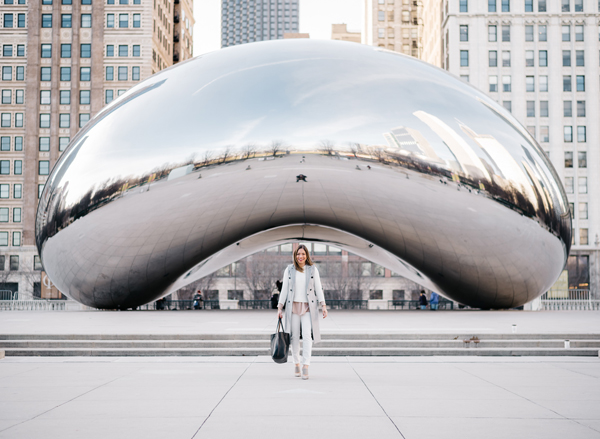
300,288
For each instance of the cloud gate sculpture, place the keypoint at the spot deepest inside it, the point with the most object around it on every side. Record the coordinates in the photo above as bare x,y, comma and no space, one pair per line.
403,164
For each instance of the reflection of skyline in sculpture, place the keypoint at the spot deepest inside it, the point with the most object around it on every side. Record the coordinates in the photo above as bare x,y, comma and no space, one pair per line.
429,206
469,162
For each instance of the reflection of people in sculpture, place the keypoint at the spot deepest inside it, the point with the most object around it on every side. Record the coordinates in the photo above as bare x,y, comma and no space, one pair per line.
301,293
300,177
423,300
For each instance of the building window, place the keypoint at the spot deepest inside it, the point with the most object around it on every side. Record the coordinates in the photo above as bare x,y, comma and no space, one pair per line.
464,58
464,6
507,105
568,134
505,5
569,187
123,50
543,58
4,238
110,20
578,33
566,58
17,191
567,83
528,32
18,167
85,74
581,136
493,58
4,143
464,32
135,73
542,32
579,58
110,73
5,119
86,20
66,20
491,5
7,73
528,5
40,190
530,108
567,109
580,108
110,50
63,142
583,236
19,120
108,96
492,33
46,51
544,134
137,20
566,32
7,50
4,167
86,51
46,20
37,263
20,49
505,32
83,119
506,83
4,214
19,96
17,215
580,83
44,167
579,5
20,73
84,97
4,190
544,109
582,185
64,120
541,5
136,50
65,74
44,144
65,97
7,96
568,159
582,159
44,120
566,7
20,20
506,58
529,58
14,259
123,73
381,16
65,51
123,20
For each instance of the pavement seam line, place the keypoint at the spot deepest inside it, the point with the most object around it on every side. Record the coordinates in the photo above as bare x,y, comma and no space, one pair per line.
66,402
529,400
224,396
378,403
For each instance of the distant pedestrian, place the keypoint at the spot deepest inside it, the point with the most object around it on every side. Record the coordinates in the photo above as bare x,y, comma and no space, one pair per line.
300,177
275,296
198,302
423,300
301,293
434,300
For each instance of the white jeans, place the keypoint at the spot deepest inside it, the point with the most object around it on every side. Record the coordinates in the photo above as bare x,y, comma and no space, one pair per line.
306,338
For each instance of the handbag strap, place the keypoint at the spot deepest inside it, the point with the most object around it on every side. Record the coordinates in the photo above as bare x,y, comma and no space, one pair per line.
280,324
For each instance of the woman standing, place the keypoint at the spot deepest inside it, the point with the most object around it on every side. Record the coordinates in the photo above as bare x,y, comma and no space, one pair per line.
301,292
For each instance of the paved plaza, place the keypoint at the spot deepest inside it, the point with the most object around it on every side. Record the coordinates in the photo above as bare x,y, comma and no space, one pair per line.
252,397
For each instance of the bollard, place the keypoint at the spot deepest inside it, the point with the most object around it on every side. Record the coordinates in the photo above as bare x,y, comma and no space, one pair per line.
514,329
567,344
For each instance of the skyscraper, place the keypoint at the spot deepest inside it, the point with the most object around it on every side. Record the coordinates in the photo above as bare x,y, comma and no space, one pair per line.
539,59
62,61
246,21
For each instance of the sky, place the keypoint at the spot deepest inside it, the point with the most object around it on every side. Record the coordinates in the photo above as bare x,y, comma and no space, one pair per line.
316,18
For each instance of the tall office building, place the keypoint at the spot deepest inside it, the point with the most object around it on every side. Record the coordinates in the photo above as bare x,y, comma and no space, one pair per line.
340,32
539,58
246,21
395,25
62,61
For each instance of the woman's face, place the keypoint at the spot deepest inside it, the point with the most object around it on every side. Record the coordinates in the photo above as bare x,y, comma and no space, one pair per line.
301,257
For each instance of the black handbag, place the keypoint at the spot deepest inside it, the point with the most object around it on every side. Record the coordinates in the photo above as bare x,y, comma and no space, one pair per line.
280,344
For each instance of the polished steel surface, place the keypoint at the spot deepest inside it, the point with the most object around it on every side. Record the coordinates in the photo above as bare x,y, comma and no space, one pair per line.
404,164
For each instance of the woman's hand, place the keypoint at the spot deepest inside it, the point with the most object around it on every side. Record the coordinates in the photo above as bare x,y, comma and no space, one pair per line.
325,312
279,313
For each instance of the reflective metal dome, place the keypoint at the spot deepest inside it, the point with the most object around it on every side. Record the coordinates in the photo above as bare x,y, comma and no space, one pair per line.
404,164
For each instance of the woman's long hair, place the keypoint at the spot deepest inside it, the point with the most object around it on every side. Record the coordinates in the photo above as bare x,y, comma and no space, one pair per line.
308,259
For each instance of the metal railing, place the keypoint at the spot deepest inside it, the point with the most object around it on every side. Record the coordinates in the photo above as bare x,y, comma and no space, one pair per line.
347,304
175,305
32,305
254,304
414,304
568,300
8,295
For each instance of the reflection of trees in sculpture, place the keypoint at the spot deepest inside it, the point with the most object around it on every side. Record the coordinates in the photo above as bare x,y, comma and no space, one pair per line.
354,148
225,154
262,271
327,147
350,286
205,284
276,146
249,151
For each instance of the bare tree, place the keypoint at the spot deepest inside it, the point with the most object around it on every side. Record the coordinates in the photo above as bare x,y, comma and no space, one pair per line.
276,146
205,284
190,160
354,148
327,146
225,154
249,150
262,271
348,286
207,158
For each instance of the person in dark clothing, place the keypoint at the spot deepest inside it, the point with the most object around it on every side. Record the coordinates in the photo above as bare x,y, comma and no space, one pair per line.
275,297
198,301
300,177
423,300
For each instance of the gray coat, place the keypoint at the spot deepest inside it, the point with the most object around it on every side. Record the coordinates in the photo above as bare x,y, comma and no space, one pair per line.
314,297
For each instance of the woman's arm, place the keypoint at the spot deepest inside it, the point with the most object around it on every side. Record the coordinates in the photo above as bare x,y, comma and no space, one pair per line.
284,289
318,287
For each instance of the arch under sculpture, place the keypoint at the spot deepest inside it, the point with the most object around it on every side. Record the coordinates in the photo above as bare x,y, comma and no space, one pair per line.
403,164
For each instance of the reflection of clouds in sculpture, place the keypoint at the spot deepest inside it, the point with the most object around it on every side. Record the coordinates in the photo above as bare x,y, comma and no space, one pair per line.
405,165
